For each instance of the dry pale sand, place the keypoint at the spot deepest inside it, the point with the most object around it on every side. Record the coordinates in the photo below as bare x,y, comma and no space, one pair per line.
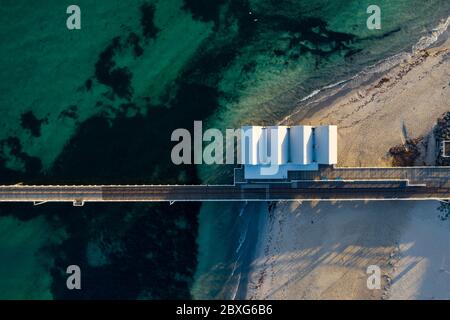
322,250
422,268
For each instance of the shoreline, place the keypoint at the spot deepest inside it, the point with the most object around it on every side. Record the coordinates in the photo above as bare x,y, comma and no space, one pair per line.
325,96
305,252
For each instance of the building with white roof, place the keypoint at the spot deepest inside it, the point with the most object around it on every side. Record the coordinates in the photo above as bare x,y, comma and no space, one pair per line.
277,147
270,152
251,142
326,144
301,144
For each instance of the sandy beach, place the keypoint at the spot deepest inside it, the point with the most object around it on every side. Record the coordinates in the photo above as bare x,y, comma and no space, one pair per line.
322,250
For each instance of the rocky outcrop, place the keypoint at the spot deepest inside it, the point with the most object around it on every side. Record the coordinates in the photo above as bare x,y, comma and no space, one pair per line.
442,133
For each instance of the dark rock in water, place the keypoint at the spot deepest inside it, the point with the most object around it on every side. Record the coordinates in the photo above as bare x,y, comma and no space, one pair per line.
107,73
278,52
204,10
12,148
149,30
383,35
30,122
88,84
71,112
134,41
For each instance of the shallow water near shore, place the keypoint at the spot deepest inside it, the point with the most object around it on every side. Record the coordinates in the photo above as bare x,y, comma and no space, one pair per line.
98,106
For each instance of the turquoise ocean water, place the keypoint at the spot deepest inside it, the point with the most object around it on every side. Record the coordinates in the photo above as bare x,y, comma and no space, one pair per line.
98,105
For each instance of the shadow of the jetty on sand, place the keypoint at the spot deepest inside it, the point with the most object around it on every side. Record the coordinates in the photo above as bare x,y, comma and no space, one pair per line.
322,250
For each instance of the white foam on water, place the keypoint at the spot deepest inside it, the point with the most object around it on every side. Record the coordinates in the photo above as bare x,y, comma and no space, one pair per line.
243,209
426,41
242,239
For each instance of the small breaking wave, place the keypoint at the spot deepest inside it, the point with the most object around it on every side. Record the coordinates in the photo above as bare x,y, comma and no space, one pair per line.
242,209
428,40
242,240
